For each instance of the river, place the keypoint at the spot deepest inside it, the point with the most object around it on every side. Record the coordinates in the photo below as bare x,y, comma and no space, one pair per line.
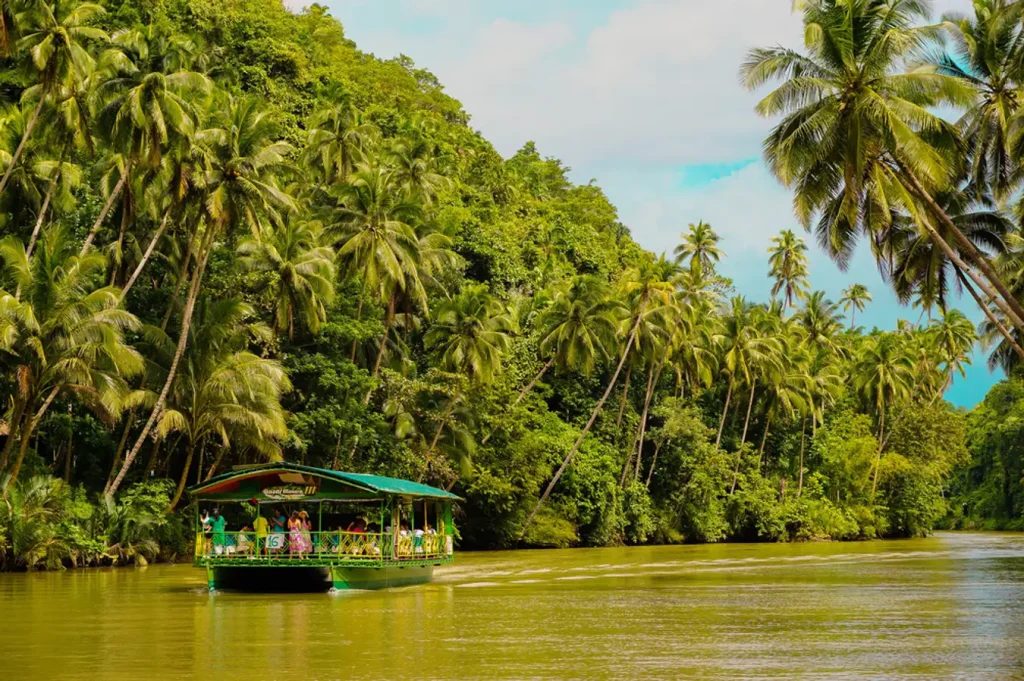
951,606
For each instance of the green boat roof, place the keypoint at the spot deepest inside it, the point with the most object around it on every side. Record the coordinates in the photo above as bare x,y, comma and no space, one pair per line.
228,483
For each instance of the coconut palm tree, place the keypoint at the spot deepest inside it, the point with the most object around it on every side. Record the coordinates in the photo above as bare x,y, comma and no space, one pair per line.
54,37
820,320
303,273
700,246
643,287
66,335
954,337
883,374
469,334
854,299
238,189
224,393
857,137
148,102
338,136
787,264
986,51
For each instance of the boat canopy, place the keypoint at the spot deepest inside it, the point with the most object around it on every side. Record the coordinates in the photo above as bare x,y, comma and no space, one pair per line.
294,482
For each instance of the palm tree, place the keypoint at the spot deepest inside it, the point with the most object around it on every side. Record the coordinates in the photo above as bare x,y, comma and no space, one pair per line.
67,335
700,245
54,37
883,374
788,266
644,287
954,337
820,320
303,281
378,241
578,329
857,138
338,136
148,102
240,160
224,392
470,334
854,299
986,52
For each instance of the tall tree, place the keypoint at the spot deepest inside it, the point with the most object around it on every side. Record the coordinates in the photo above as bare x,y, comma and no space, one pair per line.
787,263
854,299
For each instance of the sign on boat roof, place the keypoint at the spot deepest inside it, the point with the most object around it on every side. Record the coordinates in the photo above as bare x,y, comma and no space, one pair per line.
294,482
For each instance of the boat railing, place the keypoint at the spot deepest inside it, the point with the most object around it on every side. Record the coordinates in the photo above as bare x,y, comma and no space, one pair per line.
370,547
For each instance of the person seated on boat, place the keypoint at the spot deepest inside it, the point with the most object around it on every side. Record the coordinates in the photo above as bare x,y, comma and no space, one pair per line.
404,540
430,541
219,526
206,522
242,543
262,530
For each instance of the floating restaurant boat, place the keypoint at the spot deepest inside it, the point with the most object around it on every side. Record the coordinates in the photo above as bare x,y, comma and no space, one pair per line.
395,531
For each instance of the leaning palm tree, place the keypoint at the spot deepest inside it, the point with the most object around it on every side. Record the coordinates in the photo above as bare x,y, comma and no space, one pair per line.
338,136
66,335
55,37
303,281
787,264
700,246
644,287
148,102
240,158
858,138
854,299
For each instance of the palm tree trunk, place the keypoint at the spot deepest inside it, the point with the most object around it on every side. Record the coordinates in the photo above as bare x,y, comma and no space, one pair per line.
743,440
186,323
586,429
42,214
878,458
145,256
444,417
29,127
764,439
725,412
803,433
625,393
988,313
388,321
12,432
106,209
853,318
216,464
120,451
654,460
182,276
26,436
1016,313
651,382
524,392
119,248
181,481
750,406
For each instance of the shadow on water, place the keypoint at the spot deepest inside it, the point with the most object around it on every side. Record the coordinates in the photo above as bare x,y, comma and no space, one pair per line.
275,580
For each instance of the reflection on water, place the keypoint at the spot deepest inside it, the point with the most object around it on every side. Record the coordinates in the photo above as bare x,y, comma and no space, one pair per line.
947,607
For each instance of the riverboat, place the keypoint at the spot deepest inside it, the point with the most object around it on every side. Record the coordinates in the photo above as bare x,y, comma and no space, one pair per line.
361,531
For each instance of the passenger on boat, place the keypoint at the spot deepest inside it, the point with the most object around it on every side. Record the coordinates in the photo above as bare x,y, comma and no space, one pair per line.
262,528
294,534
277,538
219,526
242,543
207,524
306,531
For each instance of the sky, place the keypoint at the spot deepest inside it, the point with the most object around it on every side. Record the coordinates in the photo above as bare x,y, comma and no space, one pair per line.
643,97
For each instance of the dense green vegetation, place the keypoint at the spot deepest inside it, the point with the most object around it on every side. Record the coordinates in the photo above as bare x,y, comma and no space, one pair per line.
232,237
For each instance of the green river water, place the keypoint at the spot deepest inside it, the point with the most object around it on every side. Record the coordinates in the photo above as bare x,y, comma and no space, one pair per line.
951,606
